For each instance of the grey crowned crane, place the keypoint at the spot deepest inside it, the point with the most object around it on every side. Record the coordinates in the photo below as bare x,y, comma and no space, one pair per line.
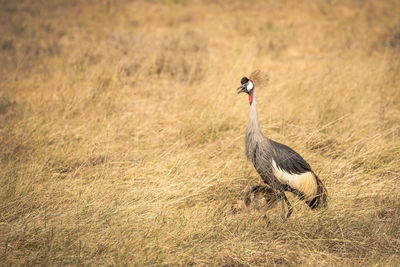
280,167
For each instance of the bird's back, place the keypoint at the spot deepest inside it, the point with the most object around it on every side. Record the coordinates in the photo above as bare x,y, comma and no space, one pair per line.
287,159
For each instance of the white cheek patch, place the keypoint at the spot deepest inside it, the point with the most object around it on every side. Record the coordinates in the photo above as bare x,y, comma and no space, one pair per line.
250,86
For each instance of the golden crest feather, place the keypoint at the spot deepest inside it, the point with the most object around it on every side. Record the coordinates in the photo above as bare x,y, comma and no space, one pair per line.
259,77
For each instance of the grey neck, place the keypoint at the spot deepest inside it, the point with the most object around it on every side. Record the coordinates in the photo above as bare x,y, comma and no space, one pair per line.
254,137
255,140
253,126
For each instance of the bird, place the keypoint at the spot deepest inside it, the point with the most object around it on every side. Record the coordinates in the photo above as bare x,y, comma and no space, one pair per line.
279,166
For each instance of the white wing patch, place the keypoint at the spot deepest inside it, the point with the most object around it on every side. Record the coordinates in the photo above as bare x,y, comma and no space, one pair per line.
305,182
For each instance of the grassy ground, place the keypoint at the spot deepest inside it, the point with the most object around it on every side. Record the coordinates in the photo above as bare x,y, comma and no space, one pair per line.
122,136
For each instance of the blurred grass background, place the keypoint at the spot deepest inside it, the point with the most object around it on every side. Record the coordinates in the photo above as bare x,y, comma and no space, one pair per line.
122,137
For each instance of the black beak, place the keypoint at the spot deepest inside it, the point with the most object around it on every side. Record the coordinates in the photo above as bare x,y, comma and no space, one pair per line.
242,88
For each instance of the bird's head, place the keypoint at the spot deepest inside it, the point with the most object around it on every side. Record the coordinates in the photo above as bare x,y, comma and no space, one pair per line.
257,77
246,87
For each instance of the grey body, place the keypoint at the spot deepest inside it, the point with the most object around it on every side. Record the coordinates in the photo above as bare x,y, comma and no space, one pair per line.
264,153
261,150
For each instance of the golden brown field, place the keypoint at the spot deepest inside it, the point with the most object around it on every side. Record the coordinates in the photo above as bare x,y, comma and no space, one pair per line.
122,136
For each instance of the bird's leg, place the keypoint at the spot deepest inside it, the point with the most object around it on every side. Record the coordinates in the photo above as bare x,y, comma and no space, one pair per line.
281,195
283,200
283,216
290,208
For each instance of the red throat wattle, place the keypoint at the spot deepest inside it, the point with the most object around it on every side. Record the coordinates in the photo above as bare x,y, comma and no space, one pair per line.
250,98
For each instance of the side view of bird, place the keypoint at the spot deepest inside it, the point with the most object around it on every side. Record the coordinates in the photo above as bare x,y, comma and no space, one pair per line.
279,166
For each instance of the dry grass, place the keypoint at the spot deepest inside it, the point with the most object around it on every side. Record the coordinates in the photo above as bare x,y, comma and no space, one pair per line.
122,135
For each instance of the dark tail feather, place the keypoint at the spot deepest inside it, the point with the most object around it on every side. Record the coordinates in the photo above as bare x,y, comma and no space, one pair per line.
321,200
